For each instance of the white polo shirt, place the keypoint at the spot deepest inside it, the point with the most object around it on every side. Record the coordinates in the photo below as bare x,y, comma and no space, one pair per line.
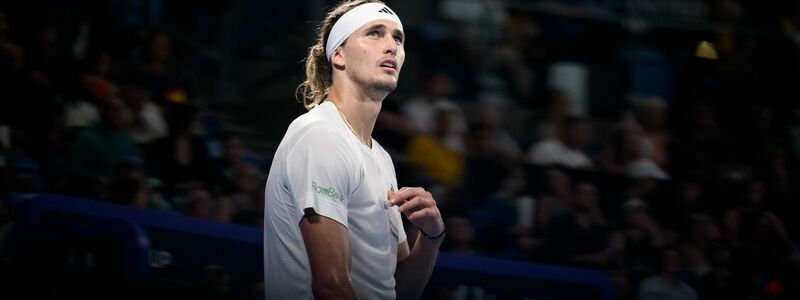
320,164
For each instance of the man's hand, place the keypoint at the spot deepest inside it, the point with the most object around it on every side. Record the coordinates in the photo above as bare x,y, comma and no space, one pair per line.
420,209
414,269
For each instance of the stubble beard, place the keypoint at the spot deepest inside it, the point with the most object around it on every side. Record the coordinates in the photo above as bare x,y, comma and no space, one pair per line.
374,86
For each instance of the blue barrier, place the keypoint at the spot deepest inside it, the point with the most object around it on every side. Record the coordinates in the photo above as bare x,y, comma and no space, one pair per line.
176,247
520,280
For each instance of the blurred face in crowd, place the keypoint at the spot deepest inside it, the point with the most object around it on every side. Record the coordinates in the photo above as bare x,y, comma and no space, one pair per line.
248,179
586,195
755,194
103,64
637,217
460,229
373,56
671,261
653,114
632,141
444,122
134,96
234,150
14,56
439,86
161,47
558,181
113,114
578,135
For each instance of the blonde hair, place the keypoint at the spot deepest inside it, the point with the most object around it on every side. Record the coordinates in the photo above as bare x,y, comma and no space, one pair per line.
319,75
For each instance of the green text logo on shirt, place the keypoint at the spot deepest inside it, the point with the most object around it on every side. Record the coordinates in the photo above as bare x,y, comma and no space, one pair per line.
327,191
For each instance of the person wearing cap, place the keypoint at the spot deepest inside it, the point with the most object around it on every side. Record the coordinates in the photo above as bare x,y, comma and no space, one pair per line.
332,220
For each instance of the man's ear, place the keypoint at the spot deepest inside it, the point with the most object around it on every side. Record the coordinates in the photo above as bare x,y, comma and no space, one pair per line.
337,58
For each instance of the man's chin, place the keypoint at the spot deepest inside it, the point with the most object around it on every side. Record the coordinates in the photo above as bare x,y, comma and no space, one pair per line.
385,85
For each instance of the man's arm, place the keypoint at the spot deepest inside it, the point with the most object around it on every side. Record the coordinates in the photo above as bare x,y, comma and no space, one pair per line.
329,256
414,269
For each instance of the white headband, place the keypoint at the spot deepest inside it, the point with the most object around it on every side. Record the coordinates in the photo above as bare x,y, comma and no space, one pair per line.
354,19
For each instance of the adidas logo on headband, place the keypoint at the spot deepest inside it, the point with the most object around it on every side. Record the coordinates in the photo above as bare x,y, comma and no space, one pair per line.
355,18
386,10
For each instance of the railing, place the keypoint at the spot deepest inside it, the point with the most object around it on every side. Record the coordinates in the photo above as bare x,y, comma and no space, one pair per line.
172,247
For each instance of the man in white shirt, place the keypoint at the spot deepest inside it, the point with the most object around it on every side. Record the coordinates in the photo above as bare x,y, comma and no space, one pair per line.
564,150
333,228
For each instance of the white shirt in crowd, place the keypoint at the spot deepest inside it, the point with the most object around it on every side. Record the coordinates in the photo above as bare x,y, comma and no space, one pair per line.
659,288
551,151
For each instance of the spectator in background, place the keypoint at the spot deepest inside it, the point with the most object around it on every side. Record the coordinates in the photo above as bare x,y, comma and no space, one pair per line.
247,196
582,237
622,147
643,238
623,153
99,150
651,113
181,159
234,157
27,93
666,285
704,138
497,139
423,112
495,218
567,148
718,282
164,71
762,244
132,187
557,108
129,192
688,201
147,121
487,162
82,111
198,202
97,77
695,264
557,200
440,163
461,236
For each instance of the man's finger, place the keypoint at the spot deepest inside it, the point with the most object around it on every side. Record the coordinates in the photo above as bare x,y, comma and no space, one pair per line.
404,194
413,204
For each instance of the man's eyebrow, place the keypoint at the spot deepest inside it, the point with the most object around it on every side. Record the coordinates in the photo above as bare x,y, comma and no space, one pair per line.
376,26
399,33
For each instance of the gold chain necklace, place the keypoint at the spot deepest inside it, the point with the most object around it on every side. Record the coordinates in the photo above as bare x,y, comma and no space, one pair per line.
360,138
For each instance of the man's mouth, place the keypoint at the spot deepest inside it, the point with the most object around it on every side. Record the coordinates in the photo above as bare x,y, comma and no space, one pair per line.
389,63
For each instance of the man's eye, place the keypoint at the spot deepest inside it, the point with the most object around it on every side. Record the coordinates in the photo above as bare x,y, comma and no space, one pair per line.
372,33
398,40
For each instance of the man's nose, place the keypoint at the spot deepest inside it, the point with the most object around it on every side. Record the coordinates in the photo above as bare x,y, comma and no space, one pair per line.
390,46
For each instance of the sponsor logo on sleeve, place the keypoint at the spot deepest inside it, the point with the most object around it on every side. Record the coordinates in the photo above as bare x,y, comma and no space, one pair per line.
329,192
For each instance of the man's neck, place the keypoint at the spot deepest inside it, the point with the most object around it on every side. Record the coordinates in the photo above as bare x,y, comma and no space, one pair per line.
359,107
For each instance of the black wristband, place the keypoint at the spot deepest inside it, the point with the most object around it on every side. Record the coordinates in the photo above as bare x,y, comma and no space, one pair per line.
432,237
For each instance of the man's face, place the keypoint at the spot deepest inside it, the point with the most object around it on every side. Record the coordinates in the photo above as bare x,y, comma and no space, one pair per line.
373,55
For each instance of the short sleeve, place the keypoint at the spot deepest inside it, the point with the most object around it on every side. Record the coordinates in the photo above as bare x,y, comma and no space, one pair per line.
320,174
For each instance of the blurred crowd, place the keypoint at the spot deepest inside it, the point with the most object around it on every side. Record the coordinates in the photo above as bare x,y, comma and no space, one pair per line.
673,195
84,117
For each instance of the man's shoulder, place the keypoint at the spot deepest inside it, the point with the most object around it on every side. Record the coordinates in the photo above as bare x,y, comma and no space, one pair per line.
317,130
316,122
